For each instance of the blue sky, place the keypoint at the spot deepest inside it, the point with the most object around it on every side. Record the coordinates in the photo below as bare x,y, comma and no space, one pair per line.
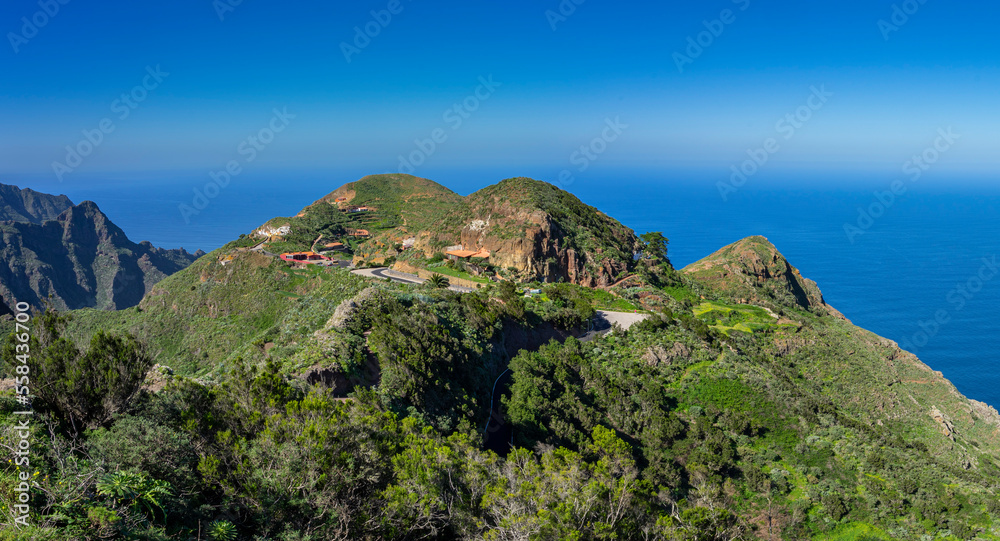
559,79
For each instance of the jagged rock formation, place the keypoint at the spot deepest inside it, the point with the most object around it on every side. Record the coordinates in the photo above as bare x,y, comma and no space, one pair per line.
78,259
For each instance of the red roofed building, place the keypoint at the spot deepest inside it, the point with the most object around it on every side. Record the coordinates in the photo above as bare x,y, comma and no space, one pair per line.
307,258
467,254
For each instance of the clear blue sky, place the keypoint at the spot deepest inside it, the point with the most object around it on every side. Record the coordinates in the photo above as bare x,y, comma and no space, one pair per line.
558,87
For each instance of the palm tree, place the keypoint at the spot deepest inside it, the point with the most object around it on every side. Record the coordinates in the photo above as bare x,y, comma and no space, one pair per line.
438,281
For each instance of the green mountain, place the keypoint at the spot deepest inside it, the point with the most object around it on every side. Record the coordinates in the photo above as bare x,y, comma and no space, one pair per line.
530,228
752,270
72,256
315,403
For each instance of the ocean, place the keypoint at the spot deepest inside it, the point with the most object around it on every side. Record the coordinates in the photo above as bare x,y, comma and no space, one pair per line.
919,268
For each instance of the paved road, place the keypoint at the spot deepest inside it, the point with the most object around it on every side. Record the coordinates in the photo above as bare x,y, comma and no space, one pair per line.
259,247
605,320
381,273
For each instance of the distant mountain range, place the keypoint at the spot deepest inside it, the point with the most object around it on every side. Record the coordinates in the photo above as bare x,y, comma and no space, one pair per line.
73,256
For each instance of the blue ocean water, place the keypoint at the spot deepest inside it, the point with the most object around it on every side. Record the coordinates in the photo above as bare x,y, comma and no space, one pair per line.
922,272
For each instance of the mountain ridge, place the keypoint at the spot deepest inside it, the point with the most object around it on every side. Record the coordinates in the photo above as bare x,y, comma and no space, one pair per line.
27,205
77,258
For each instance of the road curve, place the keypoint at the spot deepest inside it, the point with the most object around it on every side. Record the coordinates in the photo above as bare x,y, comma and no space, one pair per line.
381,273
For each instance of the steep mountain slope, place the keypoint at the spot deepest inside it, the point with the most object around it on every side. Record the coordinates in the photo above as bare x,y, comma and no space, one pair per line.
869,374
79,259
27,205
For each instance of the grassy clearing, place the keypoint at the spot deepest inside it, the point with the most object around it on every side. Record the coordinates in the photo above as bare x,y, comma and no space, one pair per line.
726,318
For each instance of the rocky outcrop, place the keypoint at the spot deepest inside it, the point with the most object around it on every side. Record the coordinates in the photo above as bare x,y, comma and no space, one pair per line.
753,271
947,427
347,308
548,234
659,355
271,231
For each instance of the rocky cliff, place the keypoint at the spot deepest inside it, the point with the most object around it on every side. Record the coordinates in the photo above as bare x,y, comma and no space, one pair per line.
548,234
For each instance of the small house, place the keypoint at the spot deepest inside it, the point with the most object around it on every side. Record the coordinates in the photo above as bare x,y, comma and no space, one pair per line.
308,258
466,255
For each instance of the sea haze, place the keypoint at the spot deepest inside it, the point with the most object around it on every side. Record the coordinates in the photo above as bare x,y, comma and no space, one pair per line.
923,261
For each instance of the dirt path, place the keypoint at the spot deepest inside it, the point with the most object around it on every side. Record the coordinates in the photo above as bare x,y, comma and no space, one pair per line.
312,248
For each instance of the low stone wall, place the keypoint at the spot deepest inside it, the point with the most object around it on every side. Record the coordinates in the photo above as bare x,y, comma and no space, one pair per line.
402,266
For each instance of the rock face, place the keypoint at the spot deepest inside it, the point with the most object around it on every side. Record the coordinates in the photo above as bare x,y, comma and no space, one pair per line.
752,269
548,234
79,259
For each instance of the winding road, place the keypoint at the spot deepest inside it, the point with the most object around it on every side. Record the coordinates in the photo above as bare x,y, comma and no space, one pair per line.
381,273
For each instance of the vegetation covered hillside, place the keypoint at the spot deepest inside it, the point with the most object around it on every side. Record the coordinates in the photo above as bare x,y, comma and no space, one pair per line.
525,229
202,318
314,404
753,270
396,207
